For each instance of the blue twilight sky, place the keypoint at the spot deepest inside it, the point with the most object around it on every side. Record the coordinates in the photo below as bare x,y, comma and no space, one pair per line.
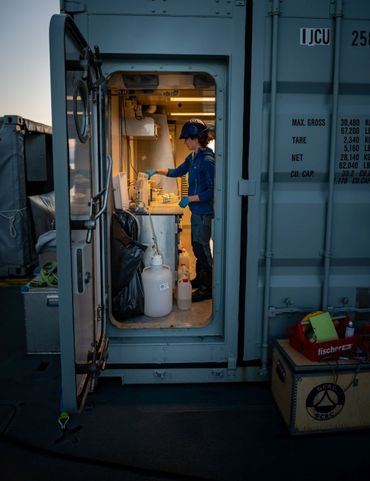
24,56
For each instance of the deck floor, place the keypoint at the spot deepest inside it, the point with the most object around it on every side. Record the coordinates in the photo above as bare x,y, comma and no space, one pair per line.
184,432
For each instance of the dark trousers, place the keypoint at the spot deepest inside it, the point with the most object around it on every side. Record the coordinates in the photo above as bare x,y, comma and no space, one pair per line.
200,237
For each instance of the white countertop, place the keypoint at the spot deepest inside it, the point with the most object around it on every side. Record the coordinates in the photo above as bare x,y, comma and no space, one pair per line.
165,208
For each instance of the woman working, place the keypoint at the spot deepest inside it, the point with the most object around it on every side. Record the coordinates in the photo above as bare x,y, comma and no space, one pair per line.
200,166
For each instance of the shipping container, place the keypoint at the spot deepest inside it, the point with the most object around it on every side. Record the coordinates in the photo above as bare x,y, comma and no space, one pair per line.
284,88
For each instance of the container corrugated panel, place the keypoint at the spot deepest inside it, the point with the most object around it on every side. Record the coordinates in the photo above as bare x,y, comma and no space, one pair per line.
308,201
312,163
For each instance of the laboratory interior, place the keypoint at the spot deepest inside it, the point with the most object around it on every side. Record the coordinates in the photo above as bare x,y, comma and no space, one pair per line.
147,112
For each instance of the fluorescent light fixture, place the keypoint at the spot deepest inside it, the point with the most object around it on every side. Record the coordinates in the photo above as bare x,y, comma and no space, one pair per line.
192,114
193,99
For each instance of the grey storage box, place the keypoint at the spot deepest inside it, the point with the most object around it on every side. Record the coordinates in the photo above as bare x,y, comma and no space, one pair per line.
41,317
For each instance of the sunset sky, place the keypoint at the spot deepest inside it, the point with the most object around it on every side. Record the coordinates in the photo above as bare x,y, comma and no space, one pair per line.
24,55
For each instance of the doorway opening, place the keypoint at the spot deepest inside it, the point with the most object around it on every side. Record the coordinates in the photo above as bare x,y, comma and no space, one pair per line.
147,111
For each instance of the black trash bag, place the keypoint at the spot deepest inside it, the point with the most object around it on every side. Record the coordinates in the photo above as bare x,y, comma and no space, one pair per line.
129,301
126,258
128,222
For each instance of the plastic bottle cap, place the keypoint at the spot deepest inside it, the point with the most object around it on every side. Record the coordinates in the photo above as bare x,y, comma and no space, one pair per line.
157,260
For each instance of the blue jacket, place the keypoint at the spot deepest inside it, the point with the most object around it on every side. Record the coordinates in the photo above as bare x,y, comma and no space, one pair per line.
201,170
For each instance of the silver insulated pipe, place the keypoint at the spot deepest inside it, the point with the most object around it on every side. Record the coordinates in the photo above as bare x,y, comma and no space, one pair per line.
271,165
333,136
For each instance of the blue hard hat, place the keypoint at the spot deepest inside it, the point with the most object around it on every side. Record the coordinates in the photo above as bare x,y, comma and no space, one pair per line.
194,128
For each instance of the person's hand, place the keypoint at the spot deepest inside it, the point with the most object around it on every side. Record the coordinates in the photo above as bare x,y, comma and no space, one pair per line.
184,202
150,173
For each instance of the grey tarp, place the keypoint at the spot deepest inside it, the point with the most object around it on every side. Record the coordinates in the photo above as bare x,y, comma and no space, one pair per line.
17,251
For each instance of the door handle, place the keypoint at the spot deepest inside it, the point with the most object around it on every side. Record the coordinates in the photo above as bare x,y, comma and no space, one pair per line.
91,223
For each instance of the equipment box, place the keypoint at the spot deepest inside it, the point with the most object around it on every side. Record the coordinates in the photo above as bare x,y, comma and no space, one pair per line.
319,396
41,315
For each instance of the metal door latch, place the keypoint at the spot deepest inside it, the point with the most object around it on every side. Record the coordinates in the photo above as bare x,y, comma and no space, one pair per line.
247,187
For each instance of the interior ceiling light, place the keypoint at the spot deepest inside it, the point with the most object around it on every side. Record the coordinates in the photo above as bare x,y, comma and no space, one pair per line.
192,114
193,99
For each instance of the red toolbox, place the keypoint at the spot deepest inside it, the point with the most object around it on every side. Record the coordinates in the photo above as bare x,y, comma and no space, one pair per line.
316,351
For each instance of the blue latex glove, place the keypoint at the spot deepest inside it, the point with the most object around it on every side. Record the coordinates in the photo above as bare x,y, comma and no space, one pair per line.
150,172
184,202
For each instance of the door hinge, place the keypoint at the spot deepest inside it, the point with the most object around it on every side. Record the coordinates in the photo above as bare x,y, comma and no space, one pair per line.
231,363
247,187
160,374
96,359
72,6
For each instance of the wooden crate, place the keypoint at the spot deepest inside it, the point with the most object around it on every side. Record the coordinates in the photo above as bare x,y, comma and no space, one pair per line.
319,396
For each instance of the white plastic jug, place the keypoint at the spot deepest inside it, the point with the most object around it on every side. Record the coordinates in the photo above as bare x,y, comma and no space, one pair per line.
184,294
183,272
157,284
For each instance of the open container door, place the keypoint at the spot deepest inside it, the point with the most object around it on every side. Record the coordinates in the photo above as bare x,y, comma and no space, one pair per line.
76,85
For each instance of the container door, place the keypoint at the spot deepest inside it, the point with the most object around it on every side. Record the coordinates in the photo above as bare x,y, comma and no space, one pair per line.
80,170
